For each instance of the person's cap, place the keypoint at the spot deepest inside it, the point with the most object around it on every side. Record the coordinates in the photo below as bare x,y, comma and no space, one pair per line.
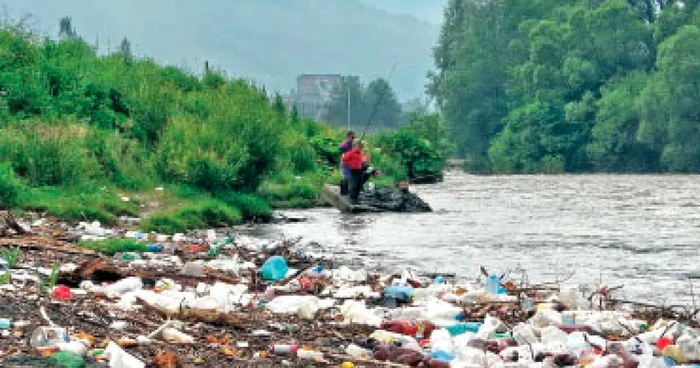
350,133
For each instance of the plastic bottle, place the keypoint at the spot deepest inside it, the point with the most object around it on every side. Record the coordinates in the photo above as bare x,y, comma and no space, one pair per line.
284,349
123,286
4,323
442,355
274,269
154,248
417,329
177,337
309,354
493,284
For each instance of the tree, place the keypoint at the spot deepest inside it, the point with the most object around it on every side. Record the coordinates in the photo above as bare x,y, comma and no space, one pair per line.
66,29
125,49
380,101
349,92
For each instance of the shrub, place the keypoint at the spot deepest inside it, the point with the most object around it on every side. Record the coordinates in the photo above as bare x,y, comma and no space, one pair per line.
10,187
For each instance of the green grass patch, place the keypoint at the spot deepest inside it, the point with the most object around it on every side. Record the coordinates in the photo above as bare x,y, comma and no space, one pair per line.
253,208
86,204
199,215
113,246
296,193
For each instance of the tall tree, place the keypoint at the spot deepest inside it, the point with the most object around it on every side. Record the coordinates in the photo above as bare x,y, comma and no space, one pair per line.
66,30
347,94
380,101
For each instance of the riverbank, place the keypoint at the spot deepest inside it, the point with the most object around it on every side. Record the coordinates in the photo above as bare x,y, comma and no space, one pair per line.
248,301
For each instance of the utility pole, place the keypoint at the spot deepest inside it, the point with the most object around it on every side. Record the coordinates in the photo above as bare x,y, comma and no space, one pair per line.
348,89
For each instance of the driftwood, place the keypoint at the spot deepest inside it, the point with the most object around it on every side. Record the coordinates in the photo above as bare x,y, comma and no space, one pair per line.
11,222
44,243
199,315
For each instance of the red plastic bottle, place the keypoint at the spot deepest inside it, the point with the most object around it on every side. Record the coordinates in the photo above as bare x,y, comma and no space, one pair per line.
417,329
62,292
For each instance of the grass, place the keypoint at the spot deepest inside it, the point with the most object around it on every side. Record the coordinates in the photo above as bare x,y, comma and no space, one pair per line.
295,194
78,204
253,208
114,245
197,215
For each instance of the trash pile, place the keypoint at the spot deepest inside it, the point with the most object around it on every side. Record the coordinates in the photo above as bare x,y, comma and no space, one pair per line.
394,200
222,300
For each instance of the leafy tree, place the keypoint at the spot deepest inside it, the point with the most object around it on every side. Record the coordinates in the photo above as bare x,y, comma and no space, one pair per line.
66,29
380,101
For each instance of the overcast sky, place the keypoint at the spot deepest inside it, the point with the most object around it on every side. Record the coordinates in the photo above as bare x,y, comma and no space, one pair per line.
268,41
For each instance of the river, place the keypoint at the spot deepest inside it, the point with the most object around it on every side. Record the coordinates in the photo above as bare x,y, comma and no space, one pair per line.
642,232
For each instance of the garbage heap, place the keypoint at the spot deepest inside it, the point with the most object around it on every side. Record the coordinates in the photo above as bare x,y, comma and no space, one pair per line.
394,200
234,301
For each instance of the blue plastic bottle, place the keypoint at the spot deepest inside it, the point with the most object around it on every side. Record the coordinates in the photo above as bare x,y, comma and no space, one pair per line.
493,284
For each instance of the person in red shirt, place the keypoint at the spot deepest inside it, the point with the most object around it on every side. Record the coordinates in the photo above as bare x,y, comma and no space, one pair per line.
353,160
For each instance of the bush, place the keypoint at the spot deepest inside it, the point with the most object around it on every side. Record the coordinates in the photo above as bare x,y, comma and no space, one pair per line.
208,213
10,187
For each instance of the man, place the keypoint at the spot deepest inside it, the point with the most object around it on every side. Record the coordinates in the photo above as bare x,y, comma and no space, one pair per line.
346,147
353,161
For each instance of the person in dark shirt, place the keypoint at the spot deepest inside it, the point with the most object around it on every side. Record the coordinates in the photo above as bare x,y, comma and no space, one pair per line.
346,147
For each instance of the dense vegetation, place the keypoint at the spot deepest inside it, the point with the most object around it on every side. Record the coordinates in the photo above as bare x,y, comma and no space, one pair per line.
571,85
84,136
375,103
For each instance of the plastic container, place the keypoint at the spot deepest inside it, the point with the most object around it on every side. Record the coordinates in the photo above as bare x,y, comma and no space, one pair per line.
274,269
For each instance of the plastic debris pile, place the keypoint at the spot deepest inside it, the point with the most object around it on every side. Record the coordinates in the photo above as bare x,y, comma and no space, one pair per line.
219,300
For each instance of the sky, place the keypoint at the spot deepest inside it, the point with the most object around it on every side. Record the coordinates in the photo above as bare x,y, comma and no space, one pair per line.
269,42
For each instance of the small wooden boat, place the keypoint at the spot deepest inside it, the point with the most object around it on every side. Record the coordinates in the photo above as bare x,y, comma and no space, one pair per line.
331,193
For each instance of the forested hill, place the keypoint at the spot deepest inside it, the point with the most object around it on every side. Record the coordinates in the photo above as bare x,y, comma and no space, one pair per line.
572,85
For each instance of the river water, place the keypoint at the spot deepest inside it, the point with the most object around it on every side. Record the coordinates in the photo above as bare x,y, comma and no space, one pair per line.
642,232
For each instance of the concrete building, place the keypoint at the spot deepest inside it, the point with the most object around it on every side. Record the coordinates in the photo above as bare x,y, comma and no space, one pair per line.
314,93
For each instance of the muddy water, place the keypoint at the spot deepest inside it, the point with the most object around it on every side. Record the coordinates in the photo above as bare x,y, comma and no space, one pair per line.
642,232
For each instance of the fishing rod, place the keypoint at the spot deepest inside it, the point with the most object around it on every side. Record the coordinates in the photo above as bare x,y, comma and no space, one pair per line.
379,101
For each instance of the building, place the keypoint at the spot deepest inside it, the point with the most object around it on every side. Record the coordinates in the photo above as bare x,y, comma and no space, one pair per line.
314,93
